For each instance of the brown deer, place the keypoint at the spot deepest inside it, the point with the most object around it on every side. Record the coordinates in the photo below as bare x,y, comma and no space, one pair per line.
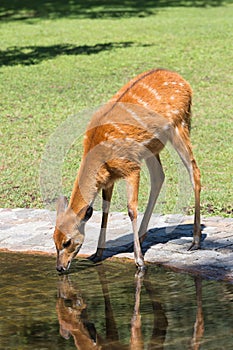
153,108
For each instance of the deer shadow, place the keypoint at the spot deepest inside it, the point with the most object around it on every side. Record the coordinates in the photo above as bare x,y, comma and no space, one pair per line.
181,233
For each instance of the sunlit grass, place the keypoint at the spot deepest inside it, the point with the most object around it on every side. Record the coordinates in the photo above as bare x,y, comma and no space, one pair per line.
54,68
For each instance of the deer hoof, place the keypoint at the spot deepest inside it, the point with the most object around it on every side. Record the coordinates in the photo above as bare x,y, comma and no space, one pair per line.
140,264
142,268
95,258
194,246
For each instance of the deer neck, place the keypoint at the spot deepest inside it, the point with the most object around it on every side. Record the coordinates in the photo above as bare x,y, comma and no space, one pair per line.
85,189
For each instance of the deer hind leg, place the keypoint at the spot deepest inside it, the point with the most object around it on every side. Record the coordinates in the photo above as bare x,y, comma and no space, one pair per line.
181,142
106,200
132,196
156,179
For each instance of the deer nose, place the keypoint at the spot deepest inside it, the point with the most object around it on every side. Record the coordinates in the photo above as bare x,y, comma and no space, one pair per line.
60,269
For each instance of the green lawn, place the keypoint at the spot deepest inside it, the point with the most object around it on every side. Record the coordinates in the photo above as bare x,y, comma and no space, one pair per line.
60,59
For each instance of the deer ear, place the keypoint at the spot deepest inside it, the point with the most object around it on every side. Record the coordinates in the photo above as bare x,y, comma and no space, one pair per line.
85,213
88,214
62,205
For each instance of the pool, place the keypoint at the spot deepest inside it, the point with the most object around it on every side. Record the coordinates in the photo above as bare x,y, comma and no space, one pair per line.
109,306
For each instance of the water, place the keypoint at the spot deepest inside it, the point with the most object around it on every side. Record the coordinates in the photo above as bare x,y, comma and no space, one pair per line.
107,307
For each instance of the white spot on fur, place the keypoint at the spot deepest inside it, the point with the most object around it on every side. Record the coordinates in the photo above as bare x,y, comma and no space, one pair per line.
109,137
175,111
128,139
166,127
172,98
134,115
181,84
174,83
146,142
106,135
118,128
153,91
139,99
165,83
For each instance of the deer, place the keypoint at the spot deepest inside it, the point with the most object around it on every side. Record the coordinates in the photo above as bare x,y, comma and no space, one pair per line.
134,126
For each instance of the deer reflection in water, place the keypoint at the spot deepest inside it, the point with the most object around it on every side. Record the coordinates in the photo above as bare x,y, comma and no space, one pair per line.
198,330
72,315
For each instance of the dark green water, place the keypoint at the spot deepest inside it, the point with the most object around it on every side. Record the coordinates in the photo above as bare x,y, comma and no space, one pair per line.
107,307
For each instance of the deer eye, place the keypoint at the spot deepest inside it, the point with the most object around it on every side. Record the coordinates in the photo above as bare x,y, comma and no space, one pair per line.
66,244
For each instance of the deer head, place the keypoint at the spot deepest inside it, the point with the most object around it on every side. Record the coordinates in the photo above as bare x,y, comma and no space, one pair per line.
69,232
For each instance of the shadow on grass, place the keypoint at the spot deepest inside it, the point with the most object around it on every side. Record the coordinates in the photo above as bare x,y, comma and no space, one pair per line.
29,55
28,9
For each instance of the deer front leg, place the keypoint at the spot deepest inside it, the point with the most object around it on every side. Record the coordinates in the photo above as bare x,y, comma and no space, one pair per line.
132,195
106,198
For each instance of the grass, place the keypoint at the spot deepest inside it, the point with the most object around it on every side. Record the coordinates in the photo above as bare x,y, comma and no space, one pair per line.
58,61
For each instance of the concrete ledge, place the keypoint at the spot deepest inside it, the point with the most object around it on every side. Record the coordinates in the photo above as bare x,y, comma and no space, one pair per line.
31,230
